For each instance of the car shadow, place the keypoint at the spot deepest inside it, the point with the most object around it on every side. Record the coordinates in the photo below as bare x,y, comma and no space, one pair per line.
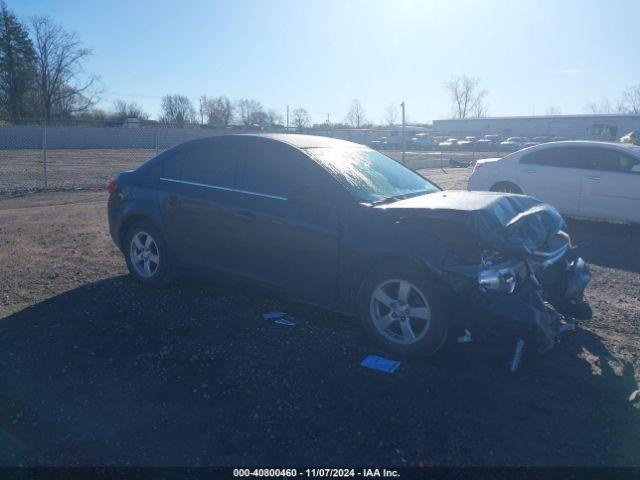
113,373
612,245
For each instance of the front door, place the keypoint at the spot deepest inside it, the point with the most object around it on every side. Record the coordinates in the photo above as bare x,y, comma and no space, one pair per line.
610,189
286,244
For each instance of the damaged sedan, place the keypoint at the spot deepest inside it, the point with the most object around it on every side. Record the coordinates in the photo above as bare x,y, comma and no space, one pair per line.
339,225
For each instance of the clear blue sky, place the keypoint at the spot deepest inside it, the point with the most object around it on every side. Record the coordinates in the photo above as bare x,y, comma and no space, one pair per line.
320,55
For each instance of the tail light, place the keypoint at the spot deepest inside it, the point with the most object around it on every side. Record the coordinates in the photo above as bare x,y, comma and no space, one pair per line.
112,187
478,164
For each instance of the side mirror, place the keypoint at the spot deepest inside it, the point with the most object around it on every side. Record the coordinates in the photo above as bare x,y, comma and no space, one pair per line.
636,168
314,195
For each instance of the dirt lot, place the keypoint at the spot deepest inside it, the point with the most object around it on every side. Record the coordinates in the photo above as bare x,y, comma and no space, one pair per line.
95,369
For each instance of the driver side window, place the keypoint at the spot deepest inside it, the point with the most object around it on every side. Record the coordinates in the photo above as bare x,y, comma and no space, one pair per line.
272,168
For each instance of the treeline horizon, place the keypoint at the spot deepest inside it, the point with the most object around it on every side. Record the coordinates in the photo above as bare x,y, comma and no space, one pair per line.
42,77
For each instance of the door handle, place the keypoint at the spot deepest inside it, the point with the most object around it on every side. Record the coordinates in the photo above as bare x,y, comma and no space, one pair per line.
172,200
529,170
593,177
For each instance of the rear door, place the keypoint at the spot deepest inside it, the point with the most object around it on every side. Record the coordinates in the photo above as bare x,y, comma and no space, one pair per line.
610,189
289,245
198,203
551,175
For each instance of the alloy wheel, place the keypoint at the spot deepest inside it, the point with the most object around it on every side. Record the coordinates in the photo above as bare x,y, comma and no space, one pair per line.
400,311
144,254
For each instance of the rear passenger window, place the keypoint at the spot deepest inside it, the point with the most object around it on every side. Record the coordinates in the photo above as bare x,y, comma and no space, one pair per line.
211,163
274,168
567,157
172,165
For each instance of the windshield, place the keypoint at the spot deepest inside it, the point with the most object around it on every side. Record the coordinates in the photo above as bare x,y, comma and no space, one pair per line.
369,175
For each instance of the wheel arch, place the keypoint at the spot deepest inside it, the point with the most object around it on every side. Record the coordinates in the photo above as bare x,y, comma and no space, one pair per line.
375,261
509,182
126,224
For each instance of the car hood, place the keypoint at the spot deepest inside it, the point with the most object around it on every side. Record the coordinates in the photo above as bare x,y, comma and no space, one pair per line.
509,223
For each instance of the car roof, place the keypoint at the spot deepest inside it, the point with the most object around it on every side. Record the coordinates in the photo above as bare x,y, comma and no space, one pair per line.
633,149
306,141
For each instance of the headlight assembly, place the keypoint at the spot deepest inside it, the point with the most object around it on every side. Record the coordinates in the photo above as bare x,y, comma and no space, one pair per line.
497,280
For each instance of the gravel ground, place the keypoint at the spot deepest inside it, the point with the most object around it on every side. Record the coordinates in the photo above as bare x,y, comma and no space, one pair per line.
97,370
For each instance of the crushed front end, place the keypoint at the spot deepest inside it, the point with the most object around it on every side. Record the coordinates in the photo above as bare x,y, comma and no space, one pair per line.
528,285
508,267
536,298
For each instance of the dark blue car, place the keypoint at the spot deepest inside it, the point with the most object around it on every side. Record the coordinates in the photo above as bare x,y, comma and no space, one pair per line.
339,225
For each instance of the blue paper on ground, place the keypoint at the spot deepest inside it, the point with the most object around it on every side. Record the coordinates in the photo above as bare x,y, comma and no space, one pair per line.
271,315
379,363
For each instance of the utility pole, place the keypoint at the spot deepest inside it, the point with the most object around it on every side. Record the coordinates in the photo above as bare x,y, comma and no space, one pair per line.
287,119
404,140
44,153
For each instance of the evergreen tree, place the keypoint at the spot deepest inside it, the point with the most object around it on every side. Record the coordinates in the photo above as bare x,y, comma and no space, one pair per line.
17,65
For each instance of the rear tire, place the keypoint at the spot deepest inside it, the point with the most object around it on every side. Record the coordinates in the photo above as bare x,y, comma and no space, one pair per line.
401,310
146,253
506,187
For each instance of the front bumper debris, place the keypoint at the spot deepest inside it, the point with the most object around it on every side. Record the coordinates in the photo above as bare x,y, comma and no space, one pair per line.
545,306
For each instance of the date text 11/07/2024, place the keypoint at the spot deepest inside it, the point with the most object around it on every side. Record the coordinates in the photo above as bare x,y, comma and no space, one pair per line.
316,472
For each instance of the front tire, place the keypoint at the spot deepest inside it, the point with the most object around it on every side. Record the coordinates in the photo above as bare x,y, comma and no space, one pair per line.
146,254
400,309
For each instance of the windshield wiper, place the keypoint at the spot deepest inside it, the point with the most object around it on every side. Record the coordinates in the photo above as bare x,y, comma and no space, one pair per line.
395,198
386,200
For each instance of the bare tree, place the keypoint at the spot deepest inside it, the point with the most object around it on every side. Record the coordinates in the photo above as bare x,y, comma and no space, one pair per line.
391,114
93,115
467,97
216,110
62,87
630,102
603,107
553,110
224,109
251,112
356,114
177,110
274,119
123,110
301,118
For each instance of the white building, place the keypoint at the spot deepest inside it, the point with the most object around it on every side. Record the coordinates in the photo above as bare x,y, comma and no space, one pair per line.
588,126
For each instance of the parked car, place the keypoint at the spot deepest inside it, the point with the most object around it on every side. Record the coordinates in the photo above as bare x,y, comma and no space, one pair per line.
512,144
342,226
580,178
379,143
543,138
494,138
423,141
484,144
449,144
530,144
467,144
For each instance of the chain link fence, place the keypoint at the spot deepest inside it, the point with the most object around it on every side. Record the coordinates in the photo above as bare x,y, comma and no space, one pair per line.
44,156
